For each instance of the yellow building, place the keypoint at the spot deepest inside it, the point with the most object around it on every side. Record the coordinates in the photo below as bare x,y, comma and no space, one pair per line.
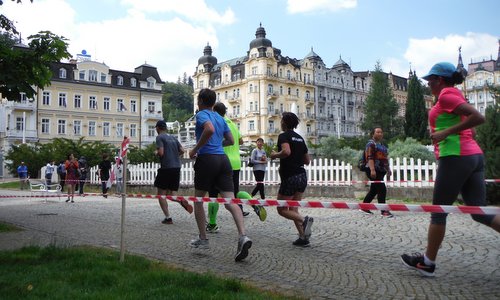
88,99
258,87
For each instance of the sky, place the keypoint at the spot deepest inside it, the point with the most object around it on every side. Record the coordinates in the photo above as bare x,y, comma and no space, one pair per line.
171,34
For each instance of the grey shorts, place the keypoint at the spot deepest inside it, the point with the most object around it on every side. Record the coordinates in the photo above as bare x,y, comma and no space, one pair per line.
213,170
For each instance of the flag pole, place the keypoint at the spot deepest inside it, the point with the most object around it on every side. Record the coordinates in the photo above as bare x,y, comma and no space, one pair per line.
123,157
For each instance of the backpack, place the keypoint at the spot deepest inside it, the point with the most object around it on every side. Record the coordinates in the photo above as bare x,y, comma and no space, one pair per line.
362,162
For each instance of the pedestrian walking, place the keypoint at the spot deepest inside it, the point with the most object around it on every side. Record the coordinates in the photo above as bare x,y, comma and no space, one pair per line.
22,173
105,174
293,155
168,150
376,156
71,167
212,168
118,171
61,172
49,171
84,171
460,160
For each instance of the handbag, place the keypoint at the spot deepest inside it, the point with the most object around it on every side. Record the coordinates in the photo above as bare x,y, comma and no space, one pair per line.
250,162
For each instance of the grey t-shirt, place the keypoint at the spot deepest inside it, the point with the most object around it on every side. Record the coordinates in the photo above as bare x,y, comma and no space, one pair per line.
171,146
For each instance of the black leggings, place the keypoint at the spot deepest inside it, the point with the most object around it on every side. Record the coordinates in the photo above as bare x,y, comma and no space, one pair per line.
464,175
377,189
259,177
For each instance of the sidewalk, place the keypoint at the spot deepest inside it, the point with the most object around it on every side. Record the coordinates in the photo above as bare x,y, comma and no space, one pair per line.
353,256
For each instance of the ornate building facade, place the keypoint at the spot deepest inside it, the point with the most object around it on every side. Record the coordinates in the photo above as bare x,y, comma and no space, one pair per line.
481,74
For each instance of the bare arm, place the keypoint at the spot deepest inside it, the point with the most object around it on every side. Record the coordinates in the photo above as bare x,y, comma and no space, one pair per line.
228,139
208,130
284,153
307,159
474,118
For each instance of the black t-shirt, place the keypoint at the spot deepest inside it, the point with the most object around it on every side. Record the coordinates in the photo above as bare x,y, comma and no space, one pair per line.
105,167
294,163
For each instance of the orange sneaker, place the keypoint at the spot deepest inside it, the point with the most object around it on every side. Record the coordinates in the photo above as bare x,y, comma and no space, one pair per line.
188,207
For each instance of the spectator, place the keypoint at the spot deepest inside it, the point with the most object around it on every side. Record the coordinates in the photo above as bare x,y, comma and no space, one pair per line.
22,173
61,172
84,168
49,171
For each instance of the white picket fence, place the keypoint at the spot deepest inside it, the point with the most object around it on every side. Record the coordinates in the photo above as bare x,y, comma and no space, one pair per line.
321,172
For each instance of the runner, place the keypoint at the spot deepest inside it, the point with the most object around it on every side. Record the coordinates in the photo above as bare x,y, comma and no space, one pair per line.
212,168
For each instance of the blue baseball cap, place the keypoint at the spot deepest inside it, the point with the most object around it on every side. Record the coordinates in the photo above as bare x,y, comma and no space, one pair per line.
443,69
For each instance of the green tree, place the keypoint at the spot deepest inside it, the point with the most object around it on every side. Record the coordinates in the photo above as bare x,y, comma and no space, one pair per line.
410,148
381,109
488,137
177,101
416,113
22,68
333,148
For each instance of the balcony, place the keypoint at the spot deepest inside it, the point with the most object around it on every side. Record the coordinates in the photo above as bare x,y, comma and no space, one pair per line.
272,95
273,131
234,99
273,113
18,134
152,115
22,106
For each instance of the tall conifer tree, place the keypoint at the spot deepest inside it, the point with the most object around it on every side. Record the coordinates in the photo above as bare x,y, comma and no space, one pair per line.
416,113
381,109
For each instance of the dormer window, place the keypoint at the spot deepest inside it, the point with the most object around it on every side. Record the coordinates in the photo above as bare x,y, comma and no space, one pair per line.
119,80
151,82
133,82
62,73
81,75
92,75
103,77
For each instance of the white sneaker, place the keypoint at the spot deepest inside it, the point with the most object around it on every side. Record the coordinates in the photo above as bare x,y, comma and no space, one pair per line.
244,243
199,243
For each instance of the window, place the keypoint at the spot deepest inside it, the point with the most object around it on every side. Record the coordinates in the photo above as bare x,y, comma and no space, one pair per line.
270,89
251,125
237,93
106,103
120,106
151,130
46,98
250,88
92,75
105,128
77,127
19,123
61,126
225,95
308,95
77,101
151,82
289,91
46,126
288,74
133,106
133,82
81,75
103,77
201,84
281,90
297,93
22,97
251,106
119,129
254,70
308,129
271,126
62,73
151,106
91,128
133,130
92,102
281,72
119,80
62,99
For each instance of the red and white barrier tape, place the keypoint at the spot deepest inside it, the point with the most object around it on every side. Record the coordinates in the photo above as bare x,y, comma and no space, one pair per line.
460,209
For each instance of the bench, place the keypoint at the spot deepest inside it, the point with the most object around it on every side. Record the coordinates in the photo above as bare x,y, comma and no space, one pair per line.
47,190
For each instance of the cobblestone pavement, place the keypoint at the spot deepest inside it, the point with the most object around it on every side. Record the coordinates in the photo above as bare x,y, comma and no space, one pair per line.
353,256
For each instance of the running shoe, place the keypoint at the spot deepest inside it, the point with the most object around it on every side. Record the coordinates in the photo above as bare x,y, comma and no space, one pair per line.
301,242
366,211
188,207
387,214
416,262
261,212
244,243
167,221
245,213
212,228
307,224
199,243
